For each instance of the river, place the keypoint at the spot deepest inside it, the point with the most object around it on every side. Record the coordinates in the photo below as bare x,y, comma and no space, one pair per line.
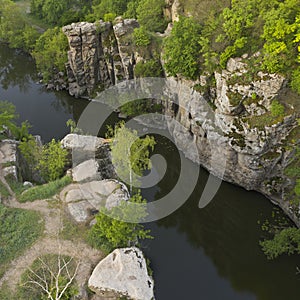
206,254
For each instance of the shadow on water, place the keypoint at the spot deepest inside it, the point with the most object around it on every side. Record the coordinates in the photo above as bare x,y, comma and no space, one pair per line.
214,253
47,111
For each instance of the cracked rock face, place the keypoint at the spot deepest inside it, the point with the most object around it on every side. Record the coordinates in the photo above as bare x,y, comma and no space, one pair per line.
122,273
83,200
100,55
9,158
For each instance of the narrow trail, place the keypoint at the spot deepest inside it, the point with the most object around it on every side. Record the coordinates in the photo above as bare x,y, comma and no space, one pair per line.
51,243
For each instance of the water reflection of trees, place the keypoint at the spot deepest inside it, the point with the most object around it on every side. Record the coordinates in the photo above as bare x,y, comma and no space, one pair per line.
16,68
228,232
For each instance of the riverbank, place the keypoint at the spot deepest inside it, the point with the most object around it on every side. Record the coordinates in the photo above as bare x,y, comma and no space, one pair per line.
207,245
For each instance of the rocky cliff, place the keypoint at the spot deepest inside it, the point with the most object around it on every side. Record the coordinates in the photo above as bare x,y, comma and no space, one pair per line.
258,143
100,55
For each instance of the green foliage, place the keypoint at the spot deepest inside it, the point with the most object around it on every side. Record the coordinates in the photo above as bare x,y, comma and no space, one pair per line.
8,117
149,68
286,241
109,17
3,191
130,13
139,107
45,191
50,52
53,9
110,232
52,161
19,229
295,82
59,12
13,27
277,109
182,49
281,25
130,154
150,15
30,151
73,127
141,37
104,7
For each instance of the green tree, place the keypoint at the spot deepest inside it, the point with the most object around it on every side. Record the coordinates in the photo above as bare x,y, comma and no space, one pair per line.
111,232
182,49
53,10
52,161
150,15
8,117
50,52
286,241
12,24
141,37
130,154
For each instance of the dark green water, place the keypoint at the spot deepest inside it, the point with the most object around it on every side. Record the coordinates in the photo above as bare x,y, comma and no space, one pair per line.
205,254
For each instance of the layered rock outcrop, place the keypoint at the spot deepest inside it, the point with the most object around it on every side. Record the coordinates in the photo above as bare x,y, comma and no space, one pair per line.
84,200
123,273
100,55
9,158
256,145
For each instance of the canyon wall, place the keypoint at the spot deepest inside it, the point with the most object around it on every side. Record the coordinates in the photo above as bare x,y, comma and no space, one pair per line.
256,145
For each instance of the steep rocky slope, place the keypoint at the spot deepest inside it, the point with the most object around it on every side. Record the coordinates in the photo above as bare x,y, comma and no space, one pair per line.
256,143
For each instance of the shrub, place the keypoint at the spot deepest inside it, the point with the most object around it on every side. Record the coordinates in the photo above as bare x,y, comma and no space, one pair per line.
150,15
141,37
150,68
286,241
277,109
182,49
52,161
111,232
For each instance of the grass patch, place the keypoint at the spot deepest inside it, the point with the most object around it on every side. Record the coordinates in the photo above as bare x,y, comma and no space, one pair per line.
19,229
72,231
45,191
260,122
16,186
3,190
47,268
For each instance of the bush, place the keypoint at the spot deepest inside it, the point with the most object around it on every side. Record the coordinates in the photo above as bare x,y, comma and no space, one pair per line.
150,15
141,37
150,68
286,241
110,232
45,191
52,161
50,52
277,109
295,82
182,49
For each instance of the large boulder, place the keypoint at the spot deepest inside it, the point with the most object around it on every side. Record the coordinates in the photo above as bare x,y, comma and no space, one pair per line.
90,156
83,200
123,273
87,170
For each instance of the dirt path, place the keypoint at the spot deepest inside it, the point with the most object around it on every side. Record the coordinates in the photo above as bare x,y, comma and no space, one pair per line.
50,244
